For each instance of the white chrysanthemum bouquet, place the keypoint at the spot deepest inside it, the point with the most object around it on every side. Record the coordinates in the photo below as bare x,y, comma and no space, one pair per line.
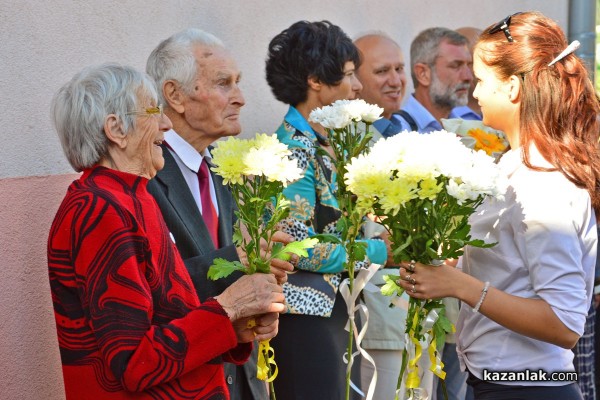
256,171
348,123
423,188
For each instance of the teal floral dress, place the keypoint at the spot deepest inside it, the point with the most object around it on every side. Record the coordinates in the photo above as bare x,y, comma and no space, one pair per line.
312,288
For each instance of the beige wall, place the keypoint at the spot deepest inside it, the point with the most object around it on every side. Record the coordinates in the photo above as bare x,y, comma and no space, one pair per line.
43,43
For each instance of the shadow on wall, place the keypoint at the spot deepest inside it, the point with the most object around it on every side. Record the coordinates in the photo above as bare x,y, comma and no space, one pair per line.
29,358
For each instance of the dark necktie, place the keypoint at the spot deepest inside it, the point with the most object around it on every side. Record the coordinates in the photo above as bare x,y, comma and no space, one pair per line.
209,213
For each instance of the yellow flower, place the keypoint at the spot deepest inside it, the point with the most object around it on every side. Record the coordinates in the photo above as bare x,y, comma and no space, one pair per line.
228,160
262,156
488,142
396,193
430,188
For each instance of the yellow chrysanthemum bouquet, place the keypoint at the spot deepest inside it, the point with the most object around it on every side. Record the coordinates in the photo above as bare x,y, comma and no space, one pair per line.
423,188
256,171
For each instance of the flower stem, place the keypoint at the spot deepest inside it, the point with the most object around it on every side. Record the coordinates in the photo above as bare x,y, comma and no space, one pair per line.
349,350
271,385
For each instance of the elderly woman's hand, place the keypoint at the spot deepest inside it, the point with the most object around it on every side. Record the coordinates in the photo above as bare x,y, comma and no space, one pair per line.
261,327
252,295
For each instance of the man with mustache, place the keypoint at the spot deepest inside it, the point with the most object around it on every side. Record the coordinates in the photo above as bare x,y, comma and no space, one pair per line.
440,69
198,83
472,110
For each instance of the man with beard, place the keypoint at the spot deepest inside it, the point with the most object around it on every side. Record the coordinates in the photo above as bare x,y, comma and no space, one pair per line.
472,110
440,64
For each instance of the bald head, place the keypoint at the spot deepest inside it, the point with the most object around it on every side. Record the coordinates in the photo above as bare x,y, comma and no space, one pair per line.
381,72
472,35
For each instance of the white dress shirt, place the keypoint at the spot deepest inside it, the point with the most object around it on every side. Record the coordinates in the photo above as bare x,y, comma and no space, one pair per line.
188,160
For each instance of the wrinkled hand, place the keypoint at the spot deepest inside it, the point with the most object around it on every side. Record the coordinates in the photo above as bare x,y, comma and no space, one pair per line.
261,327
423,281
251,295
280,268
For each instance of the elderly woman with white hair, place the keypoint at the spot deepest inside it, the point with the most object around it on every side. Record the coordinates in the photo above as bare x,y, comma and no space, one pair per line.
129,322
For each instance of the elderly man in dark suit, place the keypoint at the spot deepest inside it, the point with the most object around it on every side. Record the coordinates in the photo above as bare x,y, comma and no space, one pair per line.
197,81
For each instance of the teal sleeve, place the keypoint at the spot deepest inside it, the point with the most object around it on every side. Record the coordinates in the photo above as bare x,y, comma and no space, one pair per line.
324,258
376,251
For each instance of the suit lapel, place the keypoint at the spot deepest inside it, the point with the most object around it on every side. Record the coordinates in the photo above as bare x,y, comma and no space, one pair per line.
180,197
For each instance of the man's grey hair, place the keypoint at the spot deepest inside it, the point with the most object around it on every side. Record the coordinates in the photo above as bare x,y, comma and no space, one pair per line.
174,59
79,109
425,48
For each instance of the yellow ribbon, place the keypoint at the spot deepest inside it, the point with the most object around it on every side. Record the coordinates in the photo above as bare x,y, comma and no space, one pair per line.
266,358
412,380
437,366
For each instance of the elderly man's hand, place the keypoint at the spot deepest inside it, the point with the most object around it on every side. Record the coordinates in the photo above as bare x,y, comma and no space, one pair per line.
280,268
252,295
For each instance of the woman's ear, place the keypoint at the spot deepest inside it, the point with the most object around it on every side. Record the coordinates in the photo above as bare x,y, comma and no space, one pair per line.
314,83
113,129
174,96
514,88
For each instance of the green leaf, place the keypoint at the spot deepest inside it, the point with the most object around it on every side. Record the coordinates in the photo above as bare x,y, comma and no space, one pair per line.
445,323
390,287
298,248
358,251
222,268
481,243
327,238
260,265
237,237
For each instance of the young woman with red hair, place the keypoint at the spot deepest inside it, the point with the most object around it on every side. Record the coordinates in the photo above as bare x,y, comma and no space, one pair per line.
525,300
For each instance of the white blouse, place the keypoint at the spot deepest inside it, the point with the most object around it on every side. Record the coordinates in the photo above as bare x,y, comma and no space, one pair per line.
546,236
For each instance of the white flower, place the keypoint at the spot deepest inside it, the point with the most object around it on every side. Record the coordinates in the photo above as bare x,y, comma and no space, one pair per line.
414,158
264,156
270,158
343,112
330,117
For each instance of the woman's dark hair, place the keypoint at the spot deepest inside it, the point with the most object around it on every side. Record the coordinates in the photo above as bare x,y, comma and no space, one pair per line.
307,49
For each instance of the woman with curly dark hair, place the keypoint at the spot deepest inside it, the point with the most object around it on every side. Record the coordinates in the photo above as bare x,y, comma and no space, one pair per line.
310,65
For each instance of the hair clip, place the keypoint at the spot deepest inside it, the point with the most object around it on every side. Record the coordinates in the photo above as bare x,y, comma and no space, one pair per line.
570,48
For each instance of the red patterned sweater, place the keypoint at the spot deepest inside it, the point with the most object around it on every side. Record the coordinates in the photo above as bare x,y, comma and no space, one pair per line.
130,325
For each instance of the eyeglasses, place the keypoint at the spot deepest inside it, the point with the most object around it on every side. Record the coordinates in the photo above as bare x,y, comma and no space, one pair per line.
503,26
158,110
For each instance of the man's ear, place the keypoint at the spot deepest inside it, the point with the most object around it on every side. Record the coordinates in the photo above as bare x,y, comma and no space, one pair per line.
173,95
514,88
314,83
423,74
113,128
